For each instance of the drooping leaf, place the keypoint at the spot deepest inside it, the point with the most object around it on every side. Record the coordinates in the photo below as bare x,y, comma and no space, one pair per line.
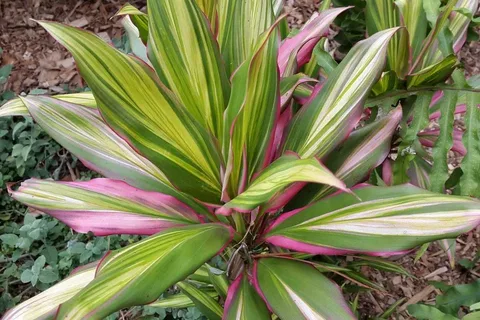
403,217
459,22
203,301
105,206
16,107
140,273
288,86
81,131
45,304
275,178
296,51
382,15
296,290
135,104
240,25
243,302
186,57
444,142
328,118
470,180
250,117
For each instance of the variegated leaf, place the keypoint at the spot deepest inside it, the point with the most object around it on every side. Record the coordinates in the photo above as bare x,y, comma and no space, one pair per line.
137,106
209,8
250,117
208,306
415,20
138,18
275,178
329,117
44,305
243,302
139,49
296,290
240,25
105,206
82,131
402,217
16,107
459,23
288,85
180,300
382,15
433,74
429,137
187,59
141,272
364,150
297,50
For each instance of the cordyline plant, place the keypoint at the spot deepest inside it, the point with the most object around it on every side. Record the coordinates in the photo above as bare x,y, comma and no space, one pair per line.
208,144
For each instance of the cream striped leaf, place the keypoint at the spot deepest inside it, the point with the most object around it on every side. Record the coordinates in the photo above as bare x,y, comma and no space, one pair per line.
387,221
186,57
364,150
243,302
137,106
139,19
16,107
82,131
44,305
275,178
250,117
141,272
180,300
105,206
382,15
240,25
296,290
415,20
209,8
329,117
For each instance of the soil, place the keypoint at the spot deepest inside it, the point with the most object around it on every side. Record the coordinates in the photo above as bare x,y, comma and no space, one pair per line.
39,62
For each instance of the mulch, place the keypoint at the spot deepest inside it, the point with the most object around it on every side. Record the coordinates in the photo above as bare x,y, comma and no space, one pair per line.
39,62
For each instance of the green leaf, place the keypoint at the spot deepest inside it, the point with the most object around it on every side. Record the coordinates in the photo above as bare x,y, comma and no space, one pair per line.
444,142
9,239
240,25
426,312
432,10
139,19
135,104
26,276
470,180
48,276
458,296
204,302
130,276
187,58
244,303
324,122
296,290
472,316
268,186
403,217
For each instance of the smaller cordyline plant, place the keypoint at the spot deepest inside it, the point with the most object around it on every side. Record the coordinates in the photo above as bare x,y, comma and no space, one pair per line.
209,148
